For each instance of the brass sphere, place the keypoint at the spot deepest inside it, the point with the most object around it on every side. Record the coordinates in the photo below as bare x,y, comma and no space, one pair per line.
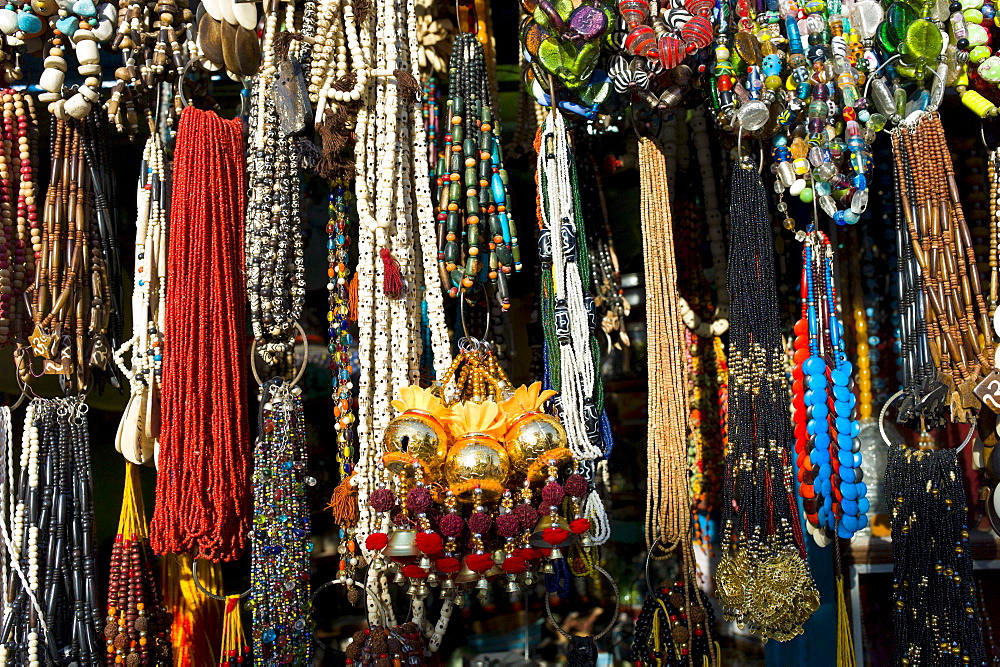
420,435
478,458
531,436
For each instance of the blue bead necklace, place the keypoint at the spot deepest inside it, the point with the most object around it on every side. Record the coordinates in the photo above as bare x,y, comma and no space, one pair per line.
832,424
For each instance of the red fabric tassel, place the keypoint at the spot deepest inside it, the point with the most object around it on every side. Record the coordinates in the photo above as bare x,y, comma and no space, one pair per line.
515,565
580,526
414,572
447,565
555,536
430,543
376,541
393,282
479,563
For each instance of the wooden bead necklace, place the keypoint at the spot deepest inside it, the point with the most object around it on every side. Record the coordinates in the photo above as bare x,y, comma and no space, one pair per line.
73,295
21,229
956,316
138,628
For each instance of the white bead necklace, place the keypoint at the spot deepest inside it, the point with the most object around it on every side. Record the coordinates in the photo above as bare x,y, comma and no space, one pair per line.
138,431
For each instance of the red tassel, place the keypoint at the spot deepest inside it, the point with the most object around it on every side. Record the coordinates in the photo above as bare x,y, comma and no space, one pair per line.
393,283
515,565
479,563
447,565
579,526
414,572
430,543
555,536
376,541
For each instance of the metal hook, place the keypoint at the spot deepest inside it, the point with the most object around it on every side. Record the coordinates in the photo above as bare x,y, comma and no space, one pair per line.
892,399
305,358
197,583
465,329
614,615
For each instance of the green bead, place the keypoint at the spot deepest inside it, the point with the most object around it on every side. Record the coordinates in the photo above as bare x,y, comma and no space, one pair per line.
979,54
457,134
471,180
472,205
457,105
806,195
973,16
469,148
455,191
924,40
876,122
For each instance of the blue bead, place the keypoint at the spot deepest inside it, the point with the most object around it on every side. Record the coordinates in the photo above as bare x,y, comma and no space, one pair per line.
840,378
855,430
863,505
820,457
817,382
846,458
843,409
862,521
822,441
845,441
496,185
269,635
860,182
843,425
812,397
819,426
821,515
826,488
843,532
849,491
862,489
838,218
842,393
849,506
814,366
820,411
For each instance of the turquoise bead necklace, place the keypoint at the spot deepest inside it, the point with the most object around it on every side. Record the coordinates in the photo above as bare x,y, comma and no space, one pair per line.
832,424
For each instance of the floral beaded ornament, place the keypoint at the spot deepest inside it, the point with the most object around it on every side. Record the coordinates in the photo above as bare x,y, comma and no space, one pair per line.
473,491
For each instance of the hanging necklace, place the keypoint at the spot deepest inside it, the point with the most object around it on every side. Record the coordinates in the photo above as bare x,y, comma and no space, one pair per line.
761,535
275,264
53,613
568,311
932,558
138,628
138,432
826,426
472,184
203,490
937,255
282,621
21,229
668,498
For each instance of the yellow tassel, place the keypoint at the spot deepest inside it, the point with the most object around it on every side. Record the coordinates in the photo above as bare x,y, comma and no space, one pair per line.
845,645
197,617
233,642
344,504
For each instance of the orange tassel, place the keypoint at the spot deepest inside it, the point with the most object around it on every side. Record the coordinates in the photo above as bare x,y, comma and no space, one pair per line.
344,504
234,642
352,298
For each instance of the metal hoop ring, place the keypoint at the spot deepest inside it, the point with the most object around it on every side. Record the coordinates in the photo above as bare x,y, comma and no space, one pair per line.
649,557
614,619
885,437
197,583
489,318
305,358
187,103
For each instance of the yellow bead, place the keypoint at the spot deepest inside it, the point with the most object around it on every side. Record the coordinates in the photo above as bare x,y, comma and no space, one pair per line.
863,362
864,375
862,351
